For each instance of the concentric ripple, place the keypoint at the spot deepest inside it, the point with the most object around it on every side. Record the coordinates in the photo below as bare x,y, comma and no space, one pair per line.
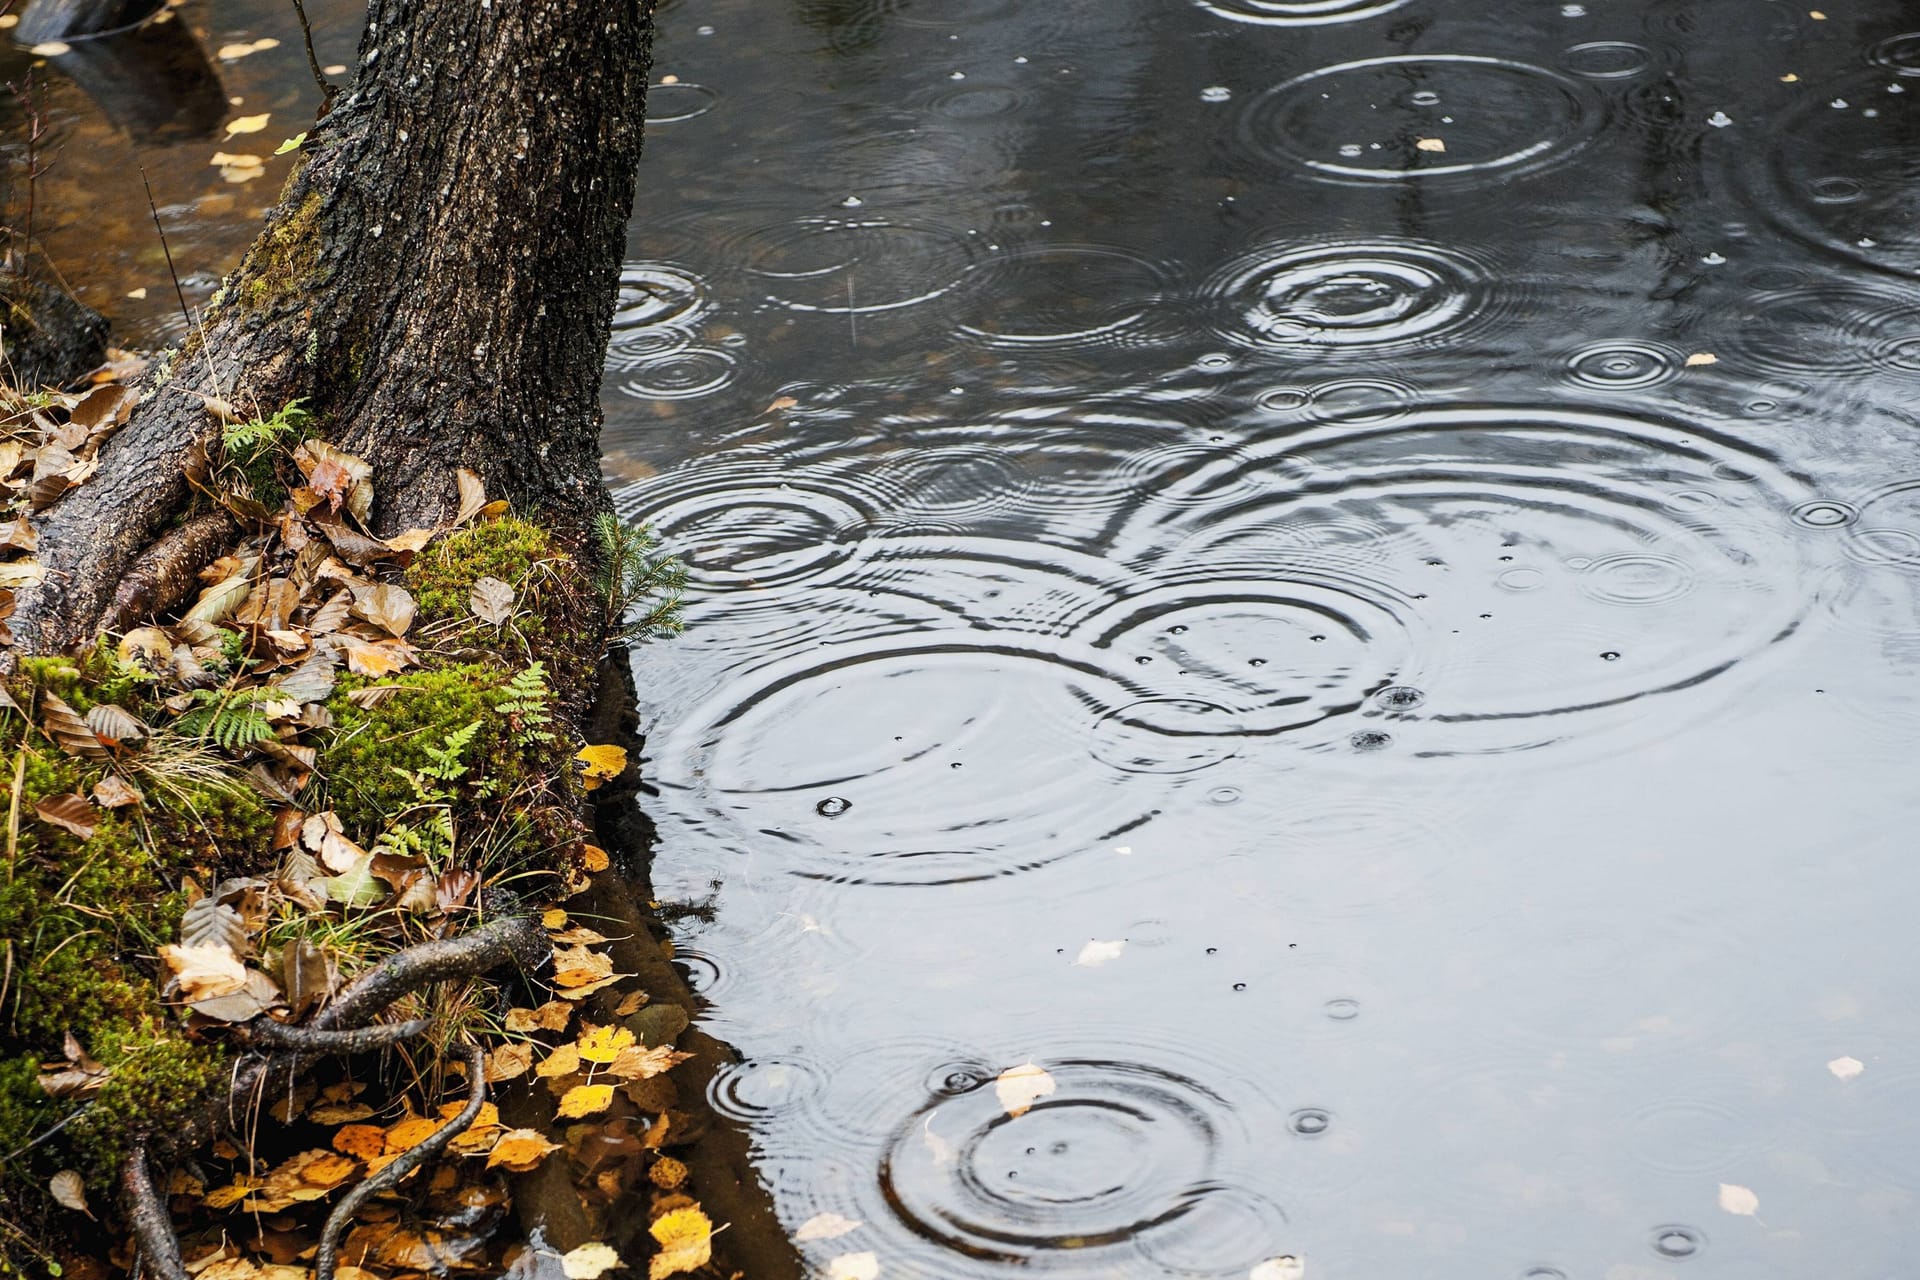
1298,13
1360,294
1559,569
1831,329
854,265
1624,366
1838,172
1412,117
1063,296
672,103
1119,1154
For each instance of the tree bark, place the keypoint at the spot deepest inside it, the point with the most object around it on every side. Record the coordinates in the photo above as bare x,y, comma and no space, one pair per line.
436,285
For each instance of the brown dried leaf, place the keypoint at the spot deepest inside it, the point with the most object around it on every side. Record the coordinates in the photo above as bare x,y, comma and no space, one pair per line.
115,792
68,731
473,496
378,657
635,1063
104,407
69,1191
491,601
19,535
69,812
509,1062
304,976
204,972
332,615
207,923
114,725
269,606
386,606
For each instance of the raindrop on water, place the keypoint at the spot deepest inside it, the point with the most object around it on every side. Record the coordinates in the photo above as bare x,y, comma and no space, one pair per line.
832,807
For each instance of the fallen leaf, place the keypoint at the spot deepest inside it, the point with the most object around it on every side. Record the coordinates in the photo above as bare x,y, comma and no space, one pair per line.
69,812
1429,144
361,1141
551,1016
603,1044
594,858
508,1062
204,972
601,763
473,495
1738,1199
69,732
589,1261
577,966
291,144
377,658
115,792
685,1237
564,1061
491,601
1097,953
69,1191
1018,1088
248,124
386,606
636,1063
1846,1068
1285,1267
585,1100
50,49
520,1150
1699,358
824,1226
404,1135
854,1266
257,995
782,403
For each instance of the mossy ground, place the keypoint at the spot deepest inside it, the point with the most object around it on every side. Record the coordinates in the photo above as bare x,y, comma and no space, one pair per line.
83,919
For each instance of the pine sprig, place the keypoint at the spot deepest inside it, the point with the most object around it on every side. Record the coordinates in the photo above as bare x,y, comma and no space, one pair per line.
631,578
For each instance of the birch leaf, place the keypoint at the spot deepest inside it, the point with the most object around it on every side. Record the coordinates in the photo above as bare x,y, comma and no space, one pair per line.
589,1261
601,763
685,1237
585,1100
1738,1199
824,1226
854,1266
1097,953
69,1191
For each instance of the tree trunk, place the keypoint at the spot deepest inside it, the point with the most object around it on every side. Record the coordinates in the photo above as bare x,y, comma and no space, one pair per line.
436,285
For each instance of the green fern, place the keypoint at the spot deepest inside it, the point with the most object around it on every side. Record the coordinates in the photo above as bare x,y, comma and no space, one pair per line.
245,442
444,761
523,700
229,718
632,578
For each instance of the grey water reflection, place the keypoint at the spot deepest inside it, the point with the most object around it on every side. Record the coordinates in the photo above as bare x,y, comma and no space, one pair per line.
1337,576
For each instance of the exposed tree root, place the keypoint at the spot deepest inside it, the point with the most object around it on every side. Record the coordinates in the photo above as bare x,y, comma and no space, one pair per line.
152,1224
345,1026
405,1163
166,573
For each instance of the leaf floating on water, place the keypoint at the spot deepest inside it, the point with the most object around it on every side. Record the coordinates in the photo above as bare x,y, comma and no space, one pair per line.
589,1261
1429,144
1738,1199
69,1191
248,124
854,1266
1285,1267
585,1100
1097,953
291,144
1846,1068
520,1150
686,1243
602,763
824,1226
1699,358
1018,1088
603,1044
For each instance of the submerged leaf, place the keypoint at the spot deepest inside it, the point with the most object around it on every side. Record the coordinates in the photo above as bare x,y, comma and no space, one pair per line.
685,1237
824,1226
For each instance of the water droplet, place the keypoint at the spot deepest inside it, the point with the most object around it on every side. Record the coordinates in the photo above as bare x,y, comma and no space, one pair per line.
1399,697
1224,795
1310,1122
1610,656
852,202
1178,630
1370,740
832,807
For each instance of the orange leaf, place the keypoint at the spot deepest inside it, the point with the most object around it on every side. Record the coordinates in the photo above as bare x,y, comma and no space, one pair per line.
361,1141
585,1100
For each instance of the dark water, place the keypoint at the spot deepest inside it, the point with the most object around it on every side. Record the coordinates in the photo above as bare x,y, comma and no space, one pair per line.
1451,614
1338,575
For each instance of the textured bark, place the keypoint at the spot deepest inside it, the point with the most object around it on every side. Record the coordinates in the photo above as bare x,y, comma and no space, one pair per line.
436,283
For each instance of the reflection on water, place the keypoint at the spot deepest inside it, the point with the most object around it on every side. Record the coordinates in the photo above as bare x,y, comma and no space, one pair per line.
1339,577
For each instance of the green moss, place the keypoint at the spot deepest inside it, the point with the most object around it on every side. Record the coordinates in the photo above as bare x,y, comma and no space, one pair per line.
441,578
286,257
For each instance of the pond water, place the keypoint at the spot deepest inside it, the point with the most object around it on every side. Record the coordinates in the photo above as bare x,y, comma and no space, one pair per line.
1341,577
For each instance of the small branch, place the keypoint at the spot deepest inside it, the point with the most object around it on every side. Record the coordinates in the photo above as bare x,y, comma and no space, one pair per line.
327,90
342,1216
514,939
310,1040
152,1224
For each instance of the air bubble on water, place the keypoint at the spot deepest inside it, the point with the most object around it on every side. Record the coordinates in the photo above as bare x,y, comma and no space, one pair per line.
1021,60
1239,986
703,31
1177,630
1425,98
1838,104
1713,259
958,75
1719,119
1342,1010
833,806
1871,113
1610,656
1215,93
1351,150
1573,11
1400,697
1309,1122
1370,740
852,202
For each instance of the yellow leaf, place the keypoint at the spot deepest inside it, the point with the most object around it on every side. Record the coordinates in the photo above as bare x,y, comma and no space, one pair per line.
247,124
594,858
668,1174
520,1150
686,1243
327,1170
1285,1267
854,1266
564,1061
585,1100
410,1133
1018,1088
228,1196
1429,144
635,1063
554,918
824,1226
603,1044
361,1141
1846,1068
589,1261
1738,1199
577,966
602,763
1699,358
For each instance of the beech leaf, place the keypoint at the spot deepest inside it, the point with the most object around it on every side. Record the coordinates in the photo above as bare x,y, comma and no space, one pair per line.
386,606
69,812
473,495
203,972
491,601
68,731
69,1191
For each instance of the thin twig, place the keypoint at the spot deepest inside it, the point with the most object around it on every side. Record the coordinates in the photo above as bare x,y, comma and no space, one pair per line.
327,89
153,208
405,1163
